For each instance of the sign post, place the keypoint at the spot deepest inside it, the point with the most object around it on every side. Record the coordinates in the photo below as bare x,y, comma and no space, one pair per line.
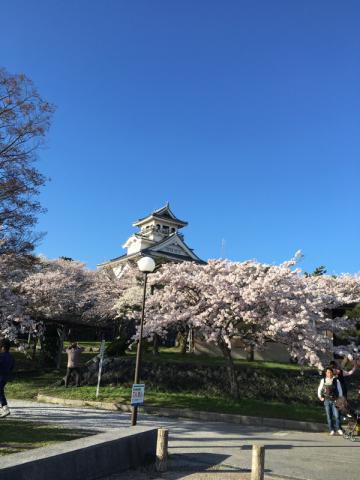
101,354
137,394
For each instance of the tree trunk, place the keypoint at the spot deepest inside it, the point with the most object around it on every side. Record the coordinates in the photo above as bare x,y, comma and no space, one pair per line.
156,342
49,346
230,367
190,340
34,344
61,334
250,353
181,339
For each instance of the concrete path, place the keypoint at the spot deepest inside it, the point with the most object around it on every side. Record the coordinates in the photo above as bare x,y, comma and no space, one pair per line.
221,448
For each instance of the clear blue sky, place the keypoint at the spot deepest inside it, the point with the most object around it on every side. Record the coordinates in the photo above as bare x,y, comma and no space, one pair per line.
244,115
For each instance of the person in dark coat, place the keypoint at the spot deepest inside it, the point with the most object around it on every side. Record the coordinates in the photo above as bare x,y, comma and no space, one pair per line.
341,374
6,367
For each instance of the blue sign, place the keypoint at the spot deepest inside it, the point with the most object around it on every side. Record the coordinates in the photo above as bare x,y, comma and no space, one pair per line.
137,394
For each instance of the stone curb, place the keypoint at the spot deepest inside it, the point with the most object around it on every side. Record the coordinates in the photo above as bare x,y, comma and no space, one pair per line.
278,423
90,458
84,403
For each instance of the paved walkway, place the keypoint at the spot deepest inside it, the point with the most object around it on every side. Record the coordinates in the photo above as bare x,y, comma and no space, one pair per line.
222,450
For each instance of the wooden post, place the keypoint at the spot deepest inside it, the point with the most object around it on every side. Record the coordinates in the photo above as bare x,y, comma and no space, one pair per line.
258,461
162,450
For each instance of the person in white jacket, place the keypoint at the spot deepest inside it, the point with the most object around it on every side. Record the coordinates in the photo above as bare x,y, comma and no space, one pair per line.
329,390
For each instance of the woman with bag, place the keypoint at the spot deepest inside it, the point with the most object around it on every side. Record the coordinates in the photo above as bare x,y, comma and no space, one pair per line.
328,392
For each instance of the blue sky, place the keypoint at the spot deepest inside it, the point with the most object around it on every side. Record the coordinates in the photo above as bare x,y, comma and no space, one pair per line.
244,115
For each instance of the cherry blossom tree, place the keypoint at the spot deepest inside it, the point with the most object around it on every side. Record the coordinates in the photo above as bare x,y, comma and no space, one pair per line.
341,289
67,291
130,283
251,302
63,292
13,316
128,305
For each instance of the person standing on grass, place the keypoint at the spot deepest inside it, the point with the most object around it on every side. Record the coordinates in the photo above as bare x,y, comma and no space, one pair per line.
7,363
329,390
73,363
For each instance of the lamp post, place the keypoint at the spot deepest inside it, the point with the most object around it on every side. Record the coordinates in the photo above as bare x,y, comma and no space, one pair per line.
145,265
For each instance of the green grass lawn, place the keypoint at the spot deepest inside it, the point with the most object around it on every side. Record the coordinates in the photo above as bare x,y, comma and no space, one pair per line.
18,435
95,346
172,355
29,378
28,382
194,401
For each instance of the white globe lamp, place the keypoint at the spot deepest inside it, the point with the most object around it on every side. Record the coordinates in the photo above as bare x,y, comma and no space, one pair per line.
146,264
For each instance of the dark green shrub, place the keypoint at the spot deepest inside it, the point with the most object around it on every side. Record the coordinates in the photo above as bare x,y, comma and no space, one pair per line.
118,347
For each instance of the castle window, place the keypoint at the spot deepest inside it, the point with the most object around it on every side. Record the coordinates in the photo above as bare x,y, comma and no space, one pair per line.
158,227
172,230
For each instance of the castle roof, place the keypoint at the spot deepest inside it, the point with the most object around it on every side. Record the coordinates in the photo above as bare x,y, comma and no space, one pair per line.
163,213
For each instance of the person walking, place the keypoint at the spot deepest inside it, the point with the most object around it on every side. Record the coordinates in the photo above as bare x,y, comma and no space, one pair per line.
7,363
329,390
73,363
